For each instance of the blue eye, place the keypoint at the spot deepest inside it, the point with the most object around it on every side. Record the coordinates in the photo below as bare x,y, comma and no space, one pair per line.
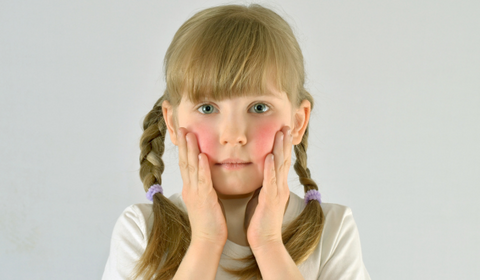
206,109
261,108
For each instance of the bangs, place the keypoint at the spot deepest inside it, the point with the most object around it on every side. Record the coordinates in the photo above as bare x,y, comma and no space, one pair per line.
229,56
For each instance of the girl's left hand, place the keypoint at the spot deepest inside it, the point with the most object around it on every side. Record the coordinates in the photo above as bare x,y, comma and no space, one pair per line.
265,210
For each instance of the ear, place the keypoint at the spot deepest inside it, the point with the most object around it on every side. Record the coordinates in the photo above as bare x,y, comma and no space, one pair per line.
301,118
167,110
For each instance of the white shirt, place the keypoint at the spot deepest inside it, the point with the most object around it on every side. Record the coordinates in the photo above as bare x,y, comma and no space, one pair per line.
338,255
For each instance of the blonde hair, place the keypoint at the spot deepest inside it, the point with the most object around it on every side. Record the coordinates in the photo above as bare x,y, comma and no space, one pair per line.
223,52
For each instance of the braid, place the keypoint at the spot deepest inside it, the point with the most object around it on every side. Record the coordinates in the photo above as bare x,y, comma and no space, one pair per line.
171,232
152,146
300,165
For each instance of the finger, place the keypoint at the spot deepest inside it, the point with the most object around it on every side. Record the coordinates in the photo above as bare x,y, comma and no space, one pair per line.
269,185
204,178
287,154
183,158
287,143
192,156
279,160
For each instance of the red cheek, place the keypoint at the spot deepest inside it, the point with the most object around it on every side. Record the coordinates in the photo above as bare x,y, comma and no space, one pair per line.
263,138
206,138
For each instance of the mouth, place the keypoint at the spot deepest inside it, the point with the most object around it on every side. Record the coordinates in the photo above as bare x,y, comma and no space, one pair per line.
233,165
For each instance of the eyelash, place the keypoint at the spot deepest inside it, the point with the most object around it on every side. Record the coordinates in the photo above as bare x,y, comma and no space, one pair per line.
267,105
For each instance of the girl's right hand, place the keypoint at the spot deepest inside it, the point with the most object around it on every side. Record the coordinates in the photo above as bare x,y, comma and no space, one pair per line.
205,211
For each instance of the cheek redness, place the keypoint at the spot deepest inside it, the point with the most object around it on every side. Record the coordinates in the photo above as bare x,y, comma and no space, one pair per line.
205,139
263,139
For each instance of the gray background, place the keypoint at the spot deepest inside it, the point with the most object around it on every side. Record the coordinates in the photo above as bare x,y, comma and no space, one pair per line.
395,131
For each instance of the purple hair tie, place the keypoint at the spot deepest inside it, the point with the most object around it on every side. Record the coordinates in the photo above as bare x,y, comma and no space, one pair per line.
313,195
156,188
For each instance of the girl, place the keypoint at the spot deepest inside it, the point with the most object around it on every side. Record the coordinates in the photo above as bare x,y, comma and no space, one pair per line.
234,104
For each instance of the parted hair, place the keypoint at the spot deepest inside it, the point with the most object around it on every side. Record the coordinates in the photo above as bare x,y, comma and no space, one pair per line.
224,52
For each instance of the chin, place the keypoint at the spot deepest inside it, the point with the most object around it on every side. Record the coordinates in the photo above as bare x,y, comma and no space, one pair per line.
234,192
236,184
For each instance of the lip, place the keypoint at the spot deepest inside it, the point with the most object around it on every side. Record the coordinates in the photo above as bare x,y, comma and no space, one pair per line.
233,164
233,160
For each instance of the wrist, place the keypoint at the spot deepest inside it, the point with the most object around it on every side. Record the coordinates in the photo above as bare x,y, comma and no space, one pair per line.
275,262
206,244
268,248
202,258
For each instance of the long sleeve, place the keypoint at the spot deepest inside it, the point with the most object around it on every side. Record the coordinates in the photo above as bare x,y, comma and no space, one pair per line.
345,260
129,240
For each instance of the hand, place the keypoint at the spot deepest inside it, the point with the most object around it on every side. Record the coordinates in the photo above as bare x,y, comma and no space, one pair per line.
265,210
205,211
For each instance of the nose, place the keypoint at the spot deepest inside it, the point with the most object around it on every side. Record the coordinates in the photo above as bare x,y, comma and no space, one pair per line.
233,132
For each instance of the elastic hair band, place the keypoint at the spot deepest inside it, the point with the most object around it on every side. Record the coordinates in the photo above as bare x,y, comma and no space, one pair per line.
313,195
155,188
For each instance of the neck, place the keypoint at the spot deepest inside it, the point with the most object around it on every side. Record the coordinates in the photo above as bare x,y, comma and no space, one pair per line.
235,207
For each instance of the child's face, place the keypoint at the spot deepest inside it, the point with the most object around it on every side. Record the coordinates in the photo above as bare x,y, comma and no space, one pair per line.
242,128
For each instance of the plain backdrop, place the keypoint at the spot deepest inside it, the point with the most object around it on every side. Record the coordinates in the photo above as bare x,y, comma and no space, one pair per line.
395,130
